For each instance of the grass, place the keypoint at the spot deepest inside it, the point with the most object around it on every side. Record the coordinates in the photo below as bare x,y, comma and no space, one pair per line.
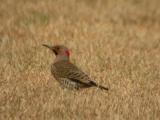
116,42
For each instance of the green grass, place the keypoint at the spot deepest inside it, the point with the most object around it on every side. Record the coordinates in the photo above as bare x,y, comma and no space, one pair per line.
116,42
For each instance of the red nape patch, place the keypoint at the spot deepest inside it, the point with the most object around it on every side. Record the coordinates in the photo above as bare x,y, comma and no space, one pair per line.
67,53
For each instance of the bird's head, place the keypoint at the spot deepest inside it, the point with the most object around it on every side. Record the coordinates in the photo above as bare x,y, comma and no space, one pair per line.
61,52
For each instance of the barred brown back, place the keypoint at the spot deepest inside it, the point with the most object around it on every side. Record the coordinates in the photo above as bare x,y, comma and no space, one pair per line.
69,76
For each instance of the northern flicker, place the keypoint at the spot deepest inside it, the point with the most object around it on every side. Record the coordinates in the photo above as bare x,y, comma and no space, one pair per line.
66,73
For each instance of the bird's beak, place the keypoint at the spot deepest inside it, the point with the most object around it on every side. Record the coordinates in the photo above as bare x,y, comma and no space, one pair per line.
48,46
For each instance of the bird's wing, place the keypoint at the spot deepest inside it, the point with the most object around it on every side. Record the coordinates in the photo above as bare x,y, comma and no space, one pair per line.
70,71
67,71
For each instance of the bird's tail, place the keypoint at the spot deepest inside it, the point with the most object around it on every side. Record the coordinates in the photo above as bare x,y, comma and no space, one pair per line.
99,86
102,87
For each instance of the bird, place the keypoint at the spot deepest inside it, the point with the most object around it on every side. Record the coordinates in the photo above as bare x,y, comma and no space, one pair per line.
66,73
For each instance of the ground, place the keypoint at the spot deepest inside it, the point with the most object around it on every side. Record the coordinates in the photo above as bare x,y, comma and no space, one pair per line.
116,42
